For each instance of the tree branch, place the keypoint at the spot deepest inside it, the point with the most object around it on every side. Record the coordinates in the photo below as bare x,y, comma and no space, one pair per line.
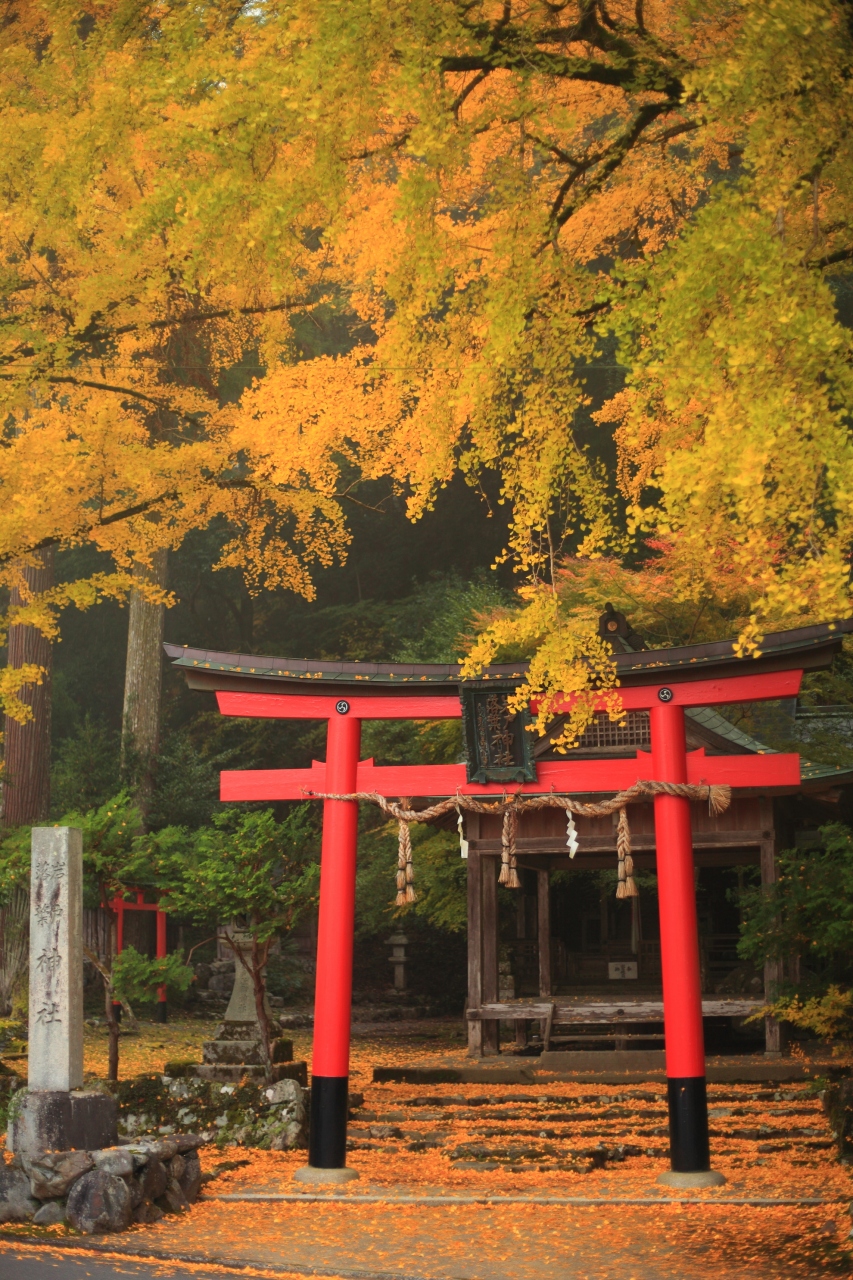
127,513
393,145
688,127
55,540
611,158
633,78
99,334
195,317
469,89
59,379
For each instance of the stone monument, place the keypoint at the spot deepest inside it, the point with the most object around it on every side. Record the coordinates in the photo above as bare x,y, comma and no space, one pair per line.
54,1113
236,1052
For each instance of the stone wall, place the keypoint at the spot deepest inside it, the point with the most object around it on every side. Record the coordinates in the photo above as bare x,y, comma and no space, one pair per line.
104,1190
272,1117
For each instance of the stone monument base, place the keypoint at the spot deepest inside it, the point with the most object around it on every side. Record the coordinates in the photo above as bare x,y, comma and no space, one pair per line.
235,1055
47,1120
228,1073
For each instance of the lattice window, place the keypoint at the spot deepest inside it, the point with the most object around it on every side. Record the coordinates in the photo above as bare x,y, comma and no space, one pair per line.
606,734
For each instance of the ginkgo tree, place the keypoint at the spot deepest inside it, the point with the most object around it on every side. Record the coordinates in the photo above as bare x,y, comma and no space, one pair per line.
115,330
520,182
489,191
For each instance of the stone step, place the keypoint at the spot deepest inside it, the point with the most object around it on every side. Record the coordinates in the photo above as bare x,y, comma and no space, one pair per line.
226,1073
719,1096
526,1131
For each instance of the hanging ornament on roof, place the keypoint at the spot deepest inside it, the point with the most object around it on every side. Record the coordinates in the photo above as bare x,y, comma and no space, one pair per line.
460,826
572,833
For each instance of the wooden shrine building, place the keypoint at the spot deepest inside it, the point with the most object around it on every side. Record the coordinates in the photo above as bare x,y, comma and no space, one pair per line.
596,981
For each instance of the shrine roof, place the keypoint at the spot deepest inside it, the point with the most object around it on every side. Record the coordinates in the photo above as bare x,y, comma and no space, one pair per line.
811,771
804,647
206,669
710,719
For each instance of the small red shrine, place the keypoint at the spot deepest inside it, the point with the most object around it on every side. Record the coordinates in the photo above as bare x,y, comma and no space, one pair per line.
668,696
119,906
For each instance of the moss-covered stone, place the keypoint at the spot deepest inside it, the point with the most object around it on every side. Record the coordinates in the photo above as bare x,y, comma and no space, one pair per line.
248,1113
180,1067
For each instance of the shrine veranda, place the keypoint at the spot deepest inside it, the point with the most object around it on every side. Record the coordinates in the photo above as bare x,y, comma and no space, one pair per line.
670,734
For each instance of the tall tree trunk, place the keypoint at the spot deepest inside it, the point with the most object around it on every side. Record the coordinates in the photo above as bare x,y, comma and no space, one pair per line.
14,945
142,683
260,955
26,779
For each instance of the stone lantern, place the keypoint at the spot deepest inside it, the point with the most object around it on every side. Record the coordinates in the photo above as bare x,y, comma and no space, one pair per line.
398,943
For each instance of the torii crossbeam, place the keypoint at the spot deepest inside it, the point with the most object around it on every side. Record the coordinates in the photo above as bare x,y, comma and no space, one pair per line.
663,682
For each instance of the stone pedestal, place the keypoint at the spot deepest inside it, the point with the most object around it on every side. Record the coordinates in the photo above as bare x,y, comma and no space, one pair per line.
59,1120
56,959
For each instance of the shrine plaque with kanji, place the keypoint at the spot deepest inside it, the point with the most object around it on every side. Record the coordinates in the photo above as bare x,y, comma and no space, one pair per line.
498,746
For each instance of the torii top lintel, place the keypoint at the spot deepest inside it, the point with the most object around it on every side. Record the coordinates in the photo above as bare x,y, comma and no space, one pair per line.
688,676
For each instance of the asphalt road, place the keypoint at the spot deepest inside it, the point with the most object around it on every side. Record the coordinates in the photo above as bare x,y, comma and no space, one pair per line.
28,1265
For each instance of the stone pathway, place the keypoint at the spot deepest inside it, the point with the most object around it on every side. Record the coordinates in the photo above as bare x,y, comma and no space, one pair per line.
547,1181
565,1140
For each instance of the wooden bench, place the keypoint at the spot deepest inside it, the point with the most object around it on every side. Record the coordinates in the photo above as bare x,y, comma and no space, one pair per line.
607,1014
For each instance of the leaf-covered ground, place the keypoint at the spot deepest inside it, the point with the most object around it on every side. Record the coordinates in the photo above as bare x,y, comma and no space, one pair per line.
412,1140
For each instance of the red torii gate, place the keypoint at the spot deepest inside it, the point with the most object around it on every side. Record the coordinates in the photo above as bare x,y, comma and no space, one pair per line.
669,761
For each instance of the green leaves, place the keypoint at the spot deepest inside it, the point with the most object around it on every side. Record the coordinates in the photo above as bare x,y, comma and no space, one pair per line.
809,911
135,977
245,866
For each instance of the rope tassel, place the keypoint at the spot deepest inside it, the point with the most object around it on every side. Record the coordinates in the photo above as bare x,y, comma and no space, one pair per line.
627,885
509,869
405,867
719,797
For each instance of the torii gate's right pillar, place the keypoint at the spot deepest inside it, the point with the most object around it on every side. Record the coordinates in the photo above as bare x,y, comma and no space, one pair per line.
679,946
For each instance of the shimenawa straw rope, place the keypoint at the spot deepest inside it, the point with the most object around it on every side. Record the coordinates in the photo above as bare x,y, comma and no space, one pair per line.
718,797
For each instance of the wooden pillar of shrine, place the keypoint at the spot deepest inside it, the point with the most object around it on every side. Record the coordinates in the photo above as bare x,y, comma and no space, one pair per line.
475,947
483,1036
774,1032
543,912
543,944
489,918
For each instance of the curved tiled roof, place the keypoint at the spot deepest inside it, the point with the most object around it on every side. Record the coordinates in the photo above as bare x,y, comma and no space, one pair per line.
806,647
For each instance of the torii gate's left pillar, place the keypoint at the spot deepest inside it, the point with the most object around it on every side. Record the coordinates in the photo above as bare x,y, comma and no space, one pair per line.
336,925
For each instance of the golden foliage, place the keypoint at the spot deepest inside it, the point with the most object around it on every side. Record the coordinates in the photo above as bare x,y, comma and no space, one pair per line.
180,180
